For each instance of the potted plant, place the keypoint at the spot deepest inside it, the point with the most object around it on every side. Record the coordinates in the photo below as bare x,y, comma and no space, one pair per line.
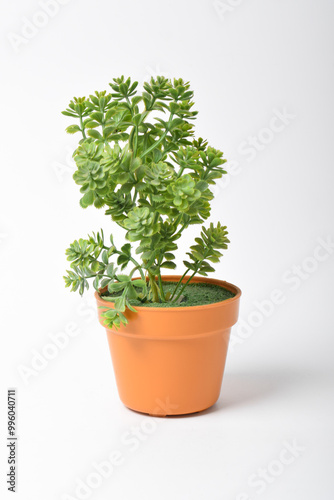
137,159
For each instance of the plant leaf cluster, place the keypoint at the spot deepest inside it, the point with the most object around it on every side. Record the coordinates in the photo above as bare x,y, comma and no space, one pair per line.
138,160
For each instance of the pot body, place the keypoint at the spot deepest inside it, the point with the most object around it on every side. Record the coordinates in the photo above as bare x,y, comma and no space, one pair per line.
170,361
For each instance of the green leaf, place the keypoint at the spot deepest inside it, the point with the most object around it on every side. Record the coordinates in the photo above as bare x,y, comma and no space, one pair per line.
197,255
126,249
168,265
137,119
120,303
123,88
169,256
131,292
174,107
135,164
111,251
104,282
110,270
95,266
115,287
130,306
96,283
215,162
175,123
91,124
202,186
108,299
105,257
122,260
87,199
72,129
97,116
189,265
68,113
110,313
136,100
140,283
123,278
95,134
132,236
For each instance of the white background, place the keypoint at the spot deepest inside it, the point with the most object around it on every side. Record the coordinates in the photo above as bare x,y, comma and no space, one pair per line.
247,62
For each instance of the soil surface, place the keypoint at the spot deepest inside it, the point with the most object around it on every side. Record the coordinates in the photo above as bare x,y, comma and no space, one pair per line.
195,294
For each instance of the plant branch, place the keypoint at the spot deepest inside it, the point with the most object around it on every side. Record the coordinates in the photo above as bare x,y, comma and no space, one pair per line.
159,141
184,286
154,287
178,283
82,127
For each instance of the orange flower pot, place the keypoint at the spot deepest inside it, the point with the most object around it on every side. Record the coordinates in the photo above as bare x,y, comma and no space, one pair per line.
170,361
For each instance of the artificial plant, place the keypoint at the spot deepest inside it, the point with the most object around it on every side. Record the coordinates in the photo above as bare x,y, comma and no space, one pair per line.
138,160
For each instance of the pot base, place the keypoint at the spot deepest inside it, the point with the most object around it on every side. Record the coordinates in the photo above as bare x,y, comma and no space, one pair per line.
162,414
169,376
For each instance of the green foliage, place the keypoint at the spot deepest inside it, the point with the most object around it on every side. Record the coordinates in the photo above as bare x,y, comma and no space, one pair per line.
153,179
206,248
140,224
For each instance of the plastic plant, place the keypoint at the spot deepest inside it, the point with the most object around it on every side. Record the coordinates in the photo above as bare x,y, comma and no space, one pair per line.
137,159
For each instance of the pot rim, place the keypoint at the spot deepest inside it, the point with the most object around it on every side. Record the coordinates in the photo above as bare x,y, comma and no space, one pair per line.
196,279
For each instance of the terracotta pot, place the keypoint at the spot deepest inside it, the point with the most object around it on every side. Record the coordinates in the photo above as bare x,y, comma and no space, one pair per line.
170,361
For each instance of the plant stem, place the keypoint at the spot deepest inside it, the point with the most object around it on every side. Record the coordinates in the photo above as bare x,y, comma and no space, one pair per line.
186,283
178,283
135,195
82,128
154,145
184,225
130,105
135,142
180,172
138,266
162,293
197,268
120,225
159,141
135,129
154,287
152,104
